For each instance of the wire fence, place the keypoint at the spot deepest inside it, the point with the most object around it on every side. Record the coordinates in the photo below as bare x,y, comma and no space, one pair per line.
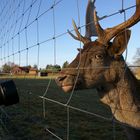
29,29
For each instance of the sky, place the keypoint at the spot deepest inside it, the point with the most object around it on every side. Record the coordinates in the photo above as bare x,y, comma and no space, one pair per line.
34,32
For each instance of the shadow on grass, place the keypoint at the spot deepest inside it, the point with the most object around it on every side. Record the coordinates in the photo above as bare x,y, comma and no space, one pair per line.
29,119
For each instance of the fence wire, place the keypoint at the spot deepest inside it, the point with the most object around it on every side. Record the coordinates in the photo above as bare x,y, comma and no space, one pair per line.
11,34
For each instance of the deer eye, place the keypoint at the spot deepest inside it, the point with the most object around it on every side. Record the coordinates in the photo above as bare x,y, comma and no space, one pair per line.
99,56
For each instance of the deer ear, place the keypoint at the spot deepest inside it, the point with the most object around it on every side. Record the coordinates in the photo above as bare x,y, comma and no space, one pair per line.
119,44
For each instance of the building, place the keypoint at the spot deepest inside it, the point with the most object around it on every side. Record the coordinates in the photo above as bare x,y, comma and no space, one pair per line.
33,71
20,70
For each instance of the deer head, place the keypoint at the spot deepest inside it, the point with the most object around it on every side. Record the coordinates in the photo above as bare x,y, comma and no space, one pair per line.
95,61
100,64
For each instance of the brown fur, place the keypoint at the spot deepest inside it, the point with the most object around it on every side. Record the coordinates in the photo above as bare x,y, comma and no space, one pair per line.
100,65
106,70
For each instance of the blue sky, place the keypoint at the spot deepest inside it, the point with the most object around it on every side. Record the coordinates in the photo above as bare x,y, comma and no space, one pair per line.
65,46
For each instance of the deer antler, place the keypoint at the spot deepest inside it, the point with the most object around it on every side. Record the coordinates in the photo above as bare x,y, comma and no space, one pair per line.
79,36
90,27
104,36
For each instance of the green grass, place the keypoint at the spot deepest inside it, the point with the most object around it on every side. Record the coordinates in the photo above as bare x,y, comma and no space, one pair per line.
27,122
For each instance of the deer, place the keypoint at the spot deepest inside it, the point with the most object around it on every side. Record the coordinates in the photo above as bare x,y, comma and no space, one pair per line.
100,65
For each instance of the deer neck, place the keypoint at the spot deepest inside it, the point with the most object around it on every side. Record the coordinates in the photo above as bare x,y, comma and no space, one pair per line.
123,97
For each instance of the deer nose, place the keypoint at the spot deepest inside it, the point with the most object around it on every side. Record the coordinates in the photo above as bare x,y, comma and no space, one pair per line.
59,80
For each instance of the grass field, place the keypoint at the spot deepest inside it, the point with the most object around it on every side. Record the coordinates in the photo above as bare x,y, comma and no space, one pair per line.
27,122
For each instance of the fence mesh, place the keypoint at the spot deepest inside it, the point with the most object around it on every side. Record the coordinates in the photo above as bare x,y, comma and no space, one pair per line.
33,34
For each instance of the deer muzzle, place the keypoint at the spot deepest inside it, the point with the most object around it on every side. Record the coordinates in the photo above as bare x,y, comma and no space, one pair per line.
65,82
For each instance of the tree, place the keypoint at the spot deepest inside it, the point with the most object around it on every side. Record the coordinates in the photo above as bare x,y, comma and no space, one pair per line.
35,66
137,62
65,65
137,57
51,67
6,68
57,67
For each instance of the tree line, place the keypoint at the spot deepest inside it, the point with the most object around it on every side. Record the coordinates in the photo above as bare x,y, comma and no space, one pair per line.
7,67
